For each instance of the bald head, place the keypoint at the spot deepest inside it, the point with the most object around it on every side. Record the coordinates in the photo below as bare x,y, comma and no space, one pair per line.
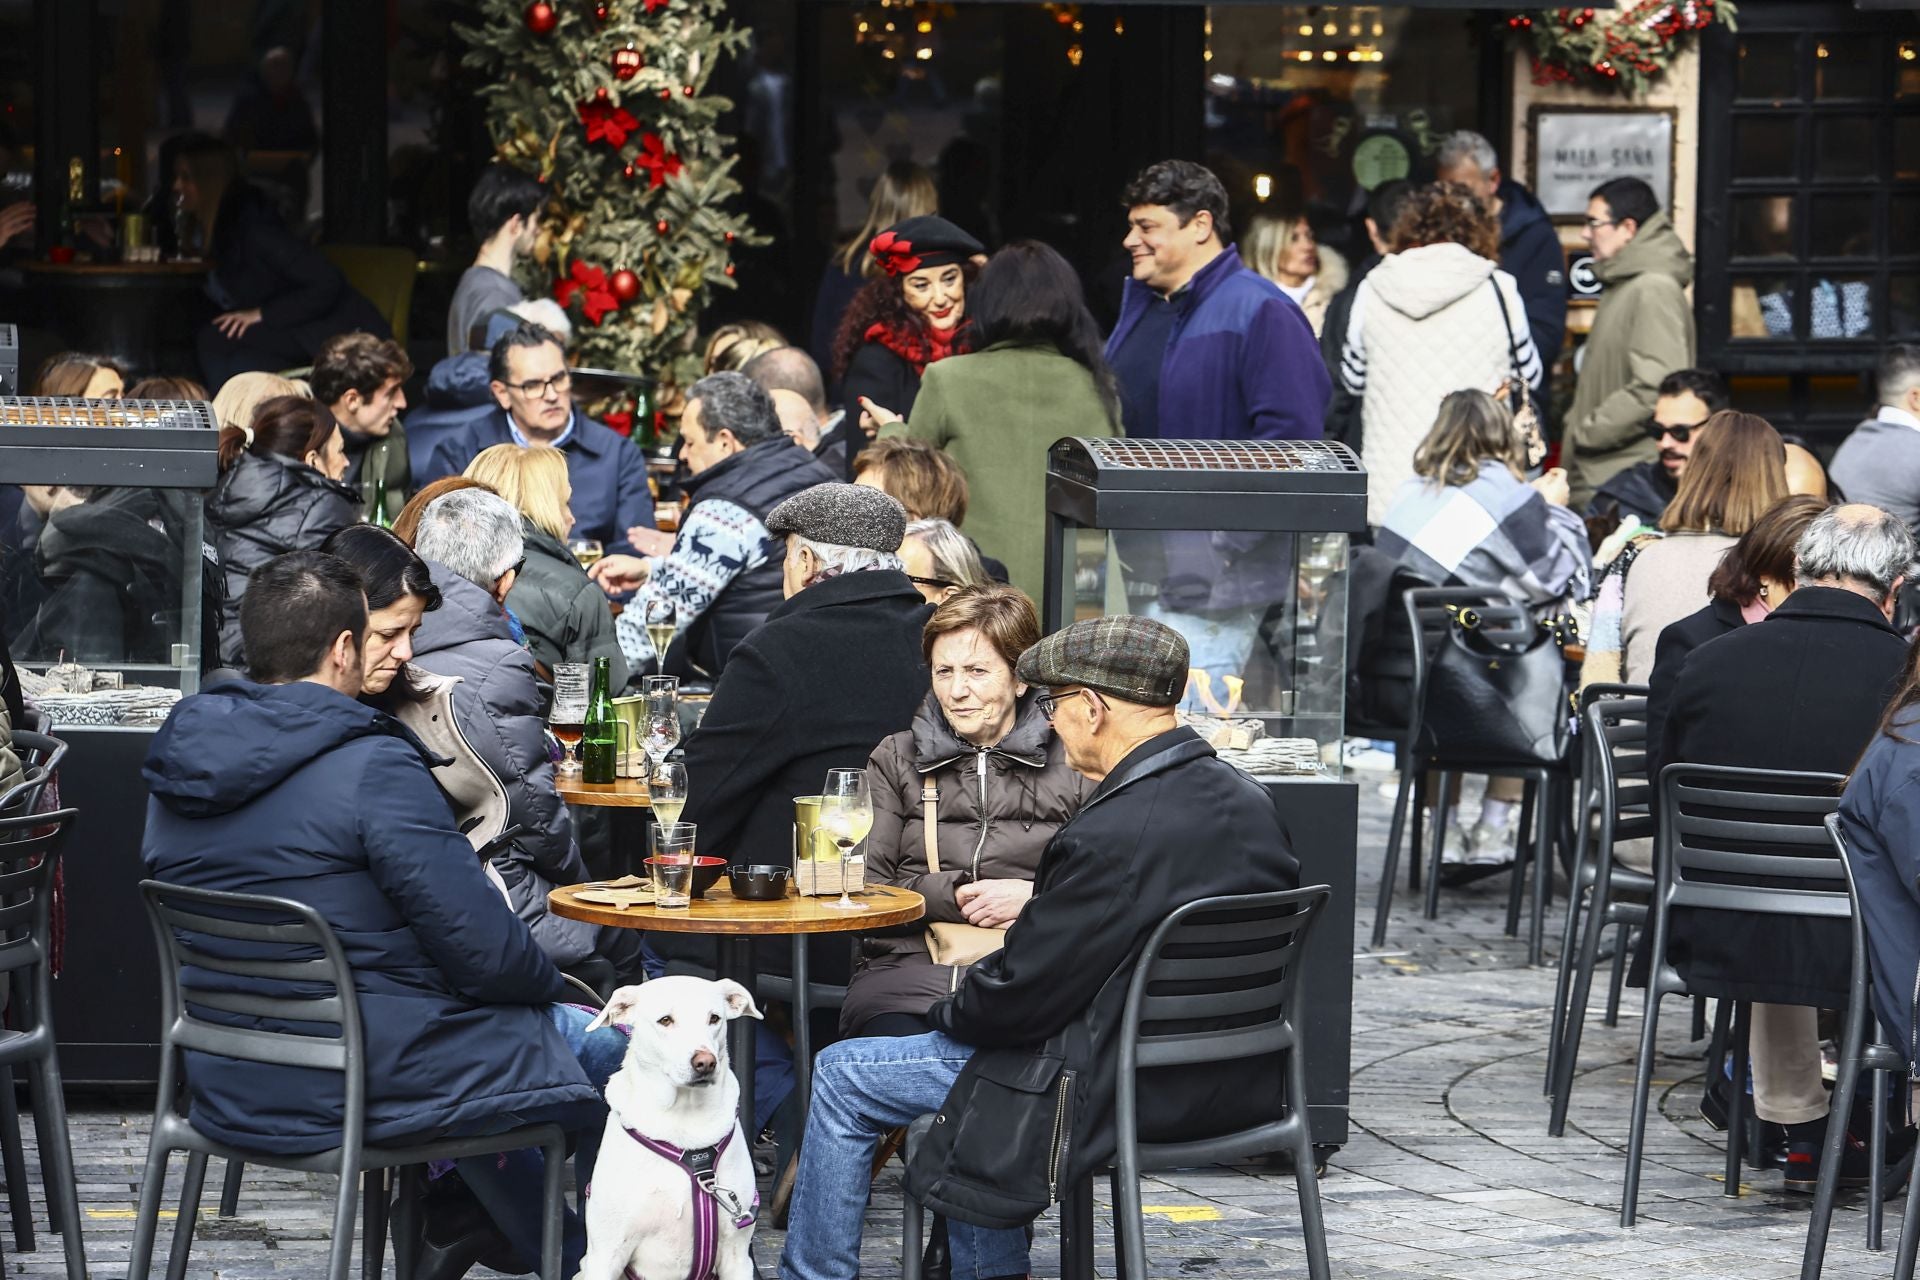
790,369
796,417
1857,548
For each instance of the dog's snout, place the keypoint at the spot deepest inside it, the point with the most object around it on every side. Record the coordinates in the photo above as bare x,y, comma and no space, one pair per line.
704,1062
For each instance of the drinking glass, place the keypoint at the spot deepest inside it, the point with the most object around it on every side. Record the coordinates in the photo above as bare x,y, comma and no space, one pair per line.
846,814
672,863
663,718
661,621
667,791
568,717
586,550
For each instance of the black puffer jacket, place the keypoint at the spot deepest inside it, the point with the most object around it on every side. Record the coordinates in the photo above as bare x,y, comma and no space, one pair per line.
996,809
112,574
266,506
566,617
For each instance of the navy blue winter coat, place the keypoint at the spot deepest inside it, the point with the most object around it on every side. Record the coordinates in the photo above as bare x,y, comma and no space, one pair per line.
299,791
1530,252
1880,814
458,395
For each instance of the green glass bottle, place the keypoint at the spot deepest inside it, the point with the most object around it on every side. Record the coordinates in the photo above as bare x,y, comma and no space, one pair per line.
600,738
377,513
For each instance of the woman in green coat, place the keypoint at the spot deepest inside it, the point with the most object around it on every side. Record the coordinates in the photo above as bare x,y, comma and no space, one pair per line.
1037,376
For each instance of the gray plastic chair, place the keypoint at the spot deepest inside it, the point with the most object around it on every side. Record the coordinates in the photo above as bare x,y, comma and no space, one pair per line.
1772,829
1613,759
288,945
29,854
1236,960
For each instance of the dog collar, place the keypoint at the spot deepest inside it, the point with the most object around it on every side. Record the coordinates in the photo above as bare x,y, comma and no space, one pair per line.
701,1165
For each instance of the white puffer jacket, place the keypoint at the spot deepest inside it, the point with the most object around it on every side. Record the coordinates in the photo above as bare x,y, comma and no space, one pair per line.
1426,322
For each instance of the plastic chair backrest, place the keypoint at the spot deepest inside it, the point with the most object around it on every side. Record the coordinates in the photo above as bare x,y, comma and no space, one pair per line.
41,755
29,853
1725,832
1617,746
1233,961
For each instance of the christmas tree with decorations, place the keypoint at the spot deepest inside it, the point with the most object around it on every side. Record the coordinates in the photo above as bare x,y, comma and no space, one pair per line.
604,101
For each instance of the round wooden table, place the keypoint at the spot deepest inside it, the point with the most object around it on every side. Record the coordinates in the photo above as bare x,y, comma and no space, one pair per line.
735,923
621,793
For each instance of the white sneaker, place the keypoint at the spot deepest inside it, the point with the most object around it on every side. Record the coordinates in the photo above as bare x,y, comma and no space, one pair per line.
1491,845
1457,848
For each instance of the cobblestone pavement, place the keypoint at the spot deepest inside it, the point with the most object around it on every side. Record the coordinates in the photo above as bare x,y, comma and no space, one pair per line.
1449,1172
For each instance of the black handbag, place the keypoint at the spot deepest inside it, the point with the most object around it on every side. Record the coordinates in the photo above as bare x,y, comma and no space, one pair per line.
1497,690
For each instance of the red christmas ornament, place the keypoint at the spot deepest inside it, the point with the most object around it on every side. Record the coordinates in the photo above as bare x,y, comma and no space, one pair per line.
601,12
626,63
607,123
626,286
590,283
729,237
666,95
600,94
661,227
628,173
687,89
729,269
541,19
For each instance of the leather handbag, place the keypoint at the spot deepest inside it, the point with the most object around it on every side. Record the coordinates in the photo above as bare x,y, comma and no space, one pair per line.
1497,689
949,942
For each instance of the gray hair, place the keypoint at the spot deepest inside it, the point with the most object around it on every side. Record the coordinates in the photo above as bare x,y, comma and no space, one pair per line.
1466,145
954,558
1899,372
734,402
472,532
835,560
1855,543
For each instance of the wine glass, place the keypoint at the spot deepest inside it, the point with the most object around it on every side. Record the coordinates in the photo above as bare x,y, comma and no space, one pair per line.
667,791
661,621
663,723
586,550
846,814
568,717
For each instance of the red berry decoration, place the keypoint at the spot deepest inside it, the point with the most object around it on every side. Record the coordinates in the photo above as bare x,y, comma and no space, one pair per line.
541,19
600,94
729,269
661,227
687,89
601,12
627,173
626,63
729,237
625,285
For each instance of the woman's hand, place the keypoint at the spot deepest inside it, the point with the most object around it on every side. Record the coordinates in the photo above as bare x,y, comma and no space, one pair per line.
873,417
650,542
617,573
233,324
15,220
993,904
1553,486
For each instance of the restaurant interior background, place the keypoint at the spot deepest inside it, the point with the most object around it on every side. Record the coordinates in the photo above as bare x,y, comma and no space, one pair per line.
1796,170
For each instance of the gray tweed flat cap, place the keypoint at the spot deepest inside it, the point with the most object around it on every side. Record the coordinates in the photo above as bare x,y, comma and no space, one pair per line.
843,515
1133,659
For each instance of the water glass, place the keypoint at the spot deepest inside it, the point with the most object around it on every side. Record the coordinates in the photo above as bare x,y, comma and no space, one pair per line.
672,881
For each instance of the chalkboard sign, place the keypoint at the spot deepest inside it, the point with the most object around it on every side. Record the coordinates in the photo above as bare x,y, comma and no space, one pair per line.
1575,150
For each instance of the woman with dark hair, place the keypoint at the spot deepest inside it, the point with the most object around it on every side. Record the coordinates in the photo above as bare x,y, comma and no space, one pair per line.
908,320
1038,375
279,491
279,296
903,190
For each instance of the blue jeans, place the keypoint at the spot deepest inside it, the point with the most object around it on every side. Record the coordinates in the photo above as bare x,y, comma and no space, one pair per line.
862,1089
510,1187
1219,643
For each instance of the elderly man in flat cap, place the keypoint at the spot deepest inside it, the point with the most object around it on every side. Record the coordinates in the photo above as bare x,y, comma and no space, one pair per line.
1033,1028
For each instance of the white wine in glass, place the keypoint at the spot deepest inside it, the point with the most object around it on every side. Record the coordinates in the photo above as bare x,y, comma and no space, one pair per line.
667,792
587,551
661,623
846,814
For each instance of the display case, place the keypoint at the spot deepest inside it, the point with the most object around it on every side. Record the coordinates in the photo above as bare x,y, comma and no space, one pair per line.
1241,546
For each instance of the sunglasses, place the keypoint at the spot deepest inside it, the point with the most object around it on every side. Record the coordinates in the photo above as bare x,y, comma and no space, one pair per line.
1680,431
940,583
1050,702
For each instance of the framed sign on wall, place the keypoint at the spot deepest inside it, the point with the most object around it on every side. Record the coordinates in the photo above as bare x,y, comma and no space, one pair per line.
1575,149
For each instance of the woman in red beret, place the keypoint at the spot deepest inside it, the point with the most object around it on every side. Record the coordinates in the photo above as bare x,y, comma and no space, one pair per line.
914,315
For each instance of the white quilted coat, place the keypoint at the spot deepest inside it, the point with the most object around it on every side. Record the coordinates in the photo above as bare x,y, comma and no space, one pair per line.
1425,322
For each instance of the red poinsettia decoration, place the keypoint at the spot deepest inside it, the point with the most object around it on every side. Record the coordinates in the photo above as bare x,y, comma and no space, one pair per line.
620,420
894,253
596,295
607,123
656,160
654,6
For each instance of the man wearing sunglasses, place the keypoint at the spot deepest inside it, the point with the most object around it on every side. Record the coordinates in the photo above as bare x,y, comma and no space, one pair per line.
1683,402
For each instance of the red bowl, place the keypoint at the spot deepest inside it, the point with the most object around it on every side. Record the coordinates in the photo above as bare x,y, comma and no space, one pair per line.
706,873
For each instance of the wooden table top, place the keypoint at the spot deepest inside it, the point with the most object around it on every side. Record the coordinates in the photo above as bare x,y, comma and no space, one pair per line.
720,912
621,793
176,267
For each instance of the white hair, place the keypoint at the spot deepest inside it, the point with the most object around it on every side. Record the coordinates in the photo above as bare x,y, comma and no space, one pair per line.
474,533
546,313
835,560
1855,543
1467,145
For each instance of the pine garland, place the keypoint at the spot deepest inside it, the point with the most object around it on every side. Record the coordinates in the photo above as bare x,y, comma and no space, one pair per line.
1628,49
605,103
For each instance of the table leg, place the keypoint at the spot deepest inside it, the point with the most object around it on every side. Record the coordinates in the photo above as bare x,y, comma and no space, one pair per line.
736,962
802,1026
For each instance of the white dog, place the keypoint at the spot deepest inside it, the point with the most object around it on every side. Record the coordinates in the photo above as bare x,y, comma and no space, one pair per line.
673,1195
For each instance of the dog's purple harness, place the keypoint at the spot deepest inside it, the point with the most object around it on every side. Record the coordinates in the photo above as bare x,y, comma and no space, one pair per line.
701,1165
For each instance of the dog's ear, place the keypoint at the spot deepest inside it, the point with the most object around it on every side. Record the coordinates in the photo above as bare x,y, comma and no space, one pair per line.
739,999
618,1010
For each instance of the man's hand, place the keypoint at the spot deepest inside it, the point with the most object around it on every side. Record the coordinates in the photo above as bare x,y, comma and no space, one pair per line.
873,417
233,324
993,904
15,220
650,542
617,574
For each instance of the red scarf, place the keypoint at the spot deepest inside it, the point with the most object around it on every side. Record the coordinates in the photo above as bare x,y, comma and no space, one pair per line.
921,345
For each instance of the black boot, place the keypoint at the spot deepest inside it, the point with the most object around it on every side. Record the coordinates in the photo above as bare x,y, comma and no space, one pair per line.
937,1262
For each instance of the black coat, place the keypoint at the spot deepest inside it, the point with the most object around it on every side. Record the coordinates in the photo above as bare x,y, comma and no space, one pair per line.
112,577
1643,489
1678,640
257,262
1107,879
884,378
1342,421
266,506
1804,690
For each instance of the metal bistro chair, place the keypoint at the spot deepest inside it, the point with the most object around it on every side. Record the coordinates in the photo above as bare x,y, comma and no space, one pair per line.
29,853
287,944
1230,959
1617,794
1774,817
1885,1060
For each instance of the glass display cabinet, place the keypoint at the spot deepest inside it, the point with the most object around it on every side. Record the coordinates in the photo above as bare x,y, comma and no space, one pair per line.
1241,546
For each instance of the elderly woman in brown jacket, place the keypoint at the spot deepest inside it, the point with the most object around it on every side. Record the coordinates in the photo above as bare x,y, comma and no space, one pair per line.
981,759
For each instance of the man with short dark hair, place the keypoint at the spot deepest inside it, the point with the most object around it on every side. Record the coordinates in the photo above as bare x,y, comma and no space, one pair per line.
531,386
1529,246
791,369
358,377
721,577
294,788
1879,462
1205,347
1682,403
1642,331
1384,203
503,212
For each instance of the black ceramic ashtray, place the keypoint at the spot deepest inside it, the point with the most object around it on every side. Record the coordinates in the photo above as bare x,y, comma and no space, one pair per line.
759,883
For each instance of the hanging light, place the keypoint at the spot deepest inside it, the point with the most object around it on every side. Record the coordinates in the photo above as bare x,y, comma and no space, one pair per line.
1263,187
